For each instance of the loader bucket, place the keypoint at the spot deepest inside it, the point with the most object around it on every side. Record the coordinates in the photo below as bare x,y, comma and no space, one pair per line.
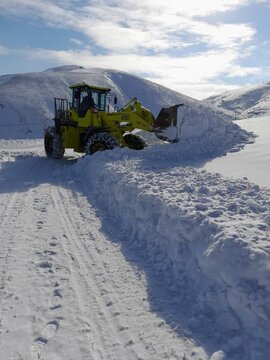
166,126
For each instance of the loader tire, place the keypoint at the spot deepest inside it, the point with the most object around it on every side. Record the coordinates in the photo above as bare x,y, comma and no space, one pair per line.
135,142
100,142
53,144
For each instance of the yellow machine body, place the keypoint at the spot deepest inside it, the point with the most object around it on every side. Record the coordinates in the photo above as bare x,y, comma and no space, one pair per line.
91,128
132,116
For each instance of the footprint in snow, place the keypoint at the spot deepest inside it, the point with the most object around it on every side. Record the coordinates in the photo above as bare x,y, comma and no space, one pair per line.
45,264
55,307
50,329
47,332
49,252
53,241
57,296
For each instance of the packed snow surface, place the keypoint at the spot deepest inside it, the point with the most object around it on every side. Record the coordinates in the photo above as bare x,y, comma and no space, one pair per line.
131,255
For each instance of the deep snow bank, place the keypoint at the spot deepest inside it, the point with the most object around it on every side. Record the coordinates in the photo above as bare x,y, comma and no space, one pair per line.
208,237
203,135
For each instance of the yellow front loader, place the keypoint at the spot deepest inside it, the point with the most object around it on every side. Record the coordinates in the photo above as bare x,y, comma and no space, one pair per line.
87,126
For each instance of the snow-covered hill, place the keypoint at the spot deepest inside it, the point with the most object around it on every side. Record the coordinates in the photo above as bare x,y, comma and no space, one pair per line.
246,102
27,106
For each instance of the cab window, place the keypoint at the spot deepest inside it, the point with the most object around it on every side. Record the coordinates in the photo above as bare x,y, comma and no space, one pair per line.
100,100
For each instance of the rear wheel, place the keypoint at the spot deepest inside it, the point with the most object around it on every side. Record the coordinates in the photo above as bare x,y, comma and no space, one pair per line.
100,142
135,142
53,144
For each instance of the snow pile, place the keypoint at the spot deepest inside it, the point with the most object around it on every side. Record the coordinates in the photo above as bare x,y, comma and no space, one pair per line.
206,236
27,106
203,135
250,101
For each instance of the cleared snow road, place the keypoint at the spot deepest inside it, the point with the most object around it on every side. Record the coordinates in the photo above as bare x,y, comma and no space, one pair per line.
67,291
251,161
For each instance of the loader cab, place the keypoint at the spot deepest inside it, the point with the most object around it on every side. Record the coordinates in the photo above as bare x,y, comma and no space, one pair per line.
81,91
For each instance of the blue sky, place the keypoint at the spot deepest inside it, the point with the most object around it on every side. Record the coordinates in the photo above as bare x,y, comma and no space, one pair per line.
197,48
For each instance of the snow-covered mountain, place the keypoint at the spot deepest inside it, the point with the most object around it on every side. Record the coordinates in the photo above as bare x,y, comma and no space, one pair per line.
27,106
250,101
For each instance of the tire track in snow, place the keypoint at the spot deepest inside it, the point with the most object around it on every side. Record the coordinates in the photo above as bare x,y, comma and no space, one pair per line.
24,215
115,289
47,274
8,220
12,205
106,341
14,231
6,216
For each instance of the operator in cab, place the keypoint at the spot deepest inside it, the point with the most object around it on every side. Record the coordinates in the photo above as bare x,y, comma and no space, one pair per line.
87,103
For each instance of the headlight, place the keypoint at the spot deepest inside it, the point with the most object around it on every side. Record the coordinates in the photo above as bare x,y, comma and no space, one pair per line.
124,124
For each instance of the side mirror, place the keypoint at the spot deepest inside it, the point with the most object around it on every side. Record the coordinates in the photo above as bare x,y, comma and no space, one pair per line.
115,100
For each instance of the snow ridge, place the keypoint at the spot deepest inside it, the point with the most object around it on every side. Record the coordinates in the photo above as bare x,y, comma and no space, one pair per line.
250,101
205,235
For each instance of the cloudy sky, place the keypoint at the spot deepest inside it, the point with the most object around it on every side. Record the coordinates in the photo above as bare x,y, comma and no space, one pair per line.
198,48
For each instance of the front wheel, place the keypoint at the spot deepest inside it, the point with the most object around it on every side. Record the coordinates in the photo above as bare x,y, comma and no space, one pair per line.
100,142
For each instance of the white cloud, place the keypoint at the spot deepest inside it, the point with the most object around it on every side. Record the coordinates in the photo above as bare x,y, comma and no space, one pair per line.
223,35
4,50
139,37
187,75
155,25
159,25
239,71
194,7
76,41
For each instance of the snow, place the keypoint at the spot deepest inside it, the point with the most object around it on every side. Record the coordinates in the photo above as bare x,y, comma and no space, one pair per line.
251,161
156,254
250,101
205,236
